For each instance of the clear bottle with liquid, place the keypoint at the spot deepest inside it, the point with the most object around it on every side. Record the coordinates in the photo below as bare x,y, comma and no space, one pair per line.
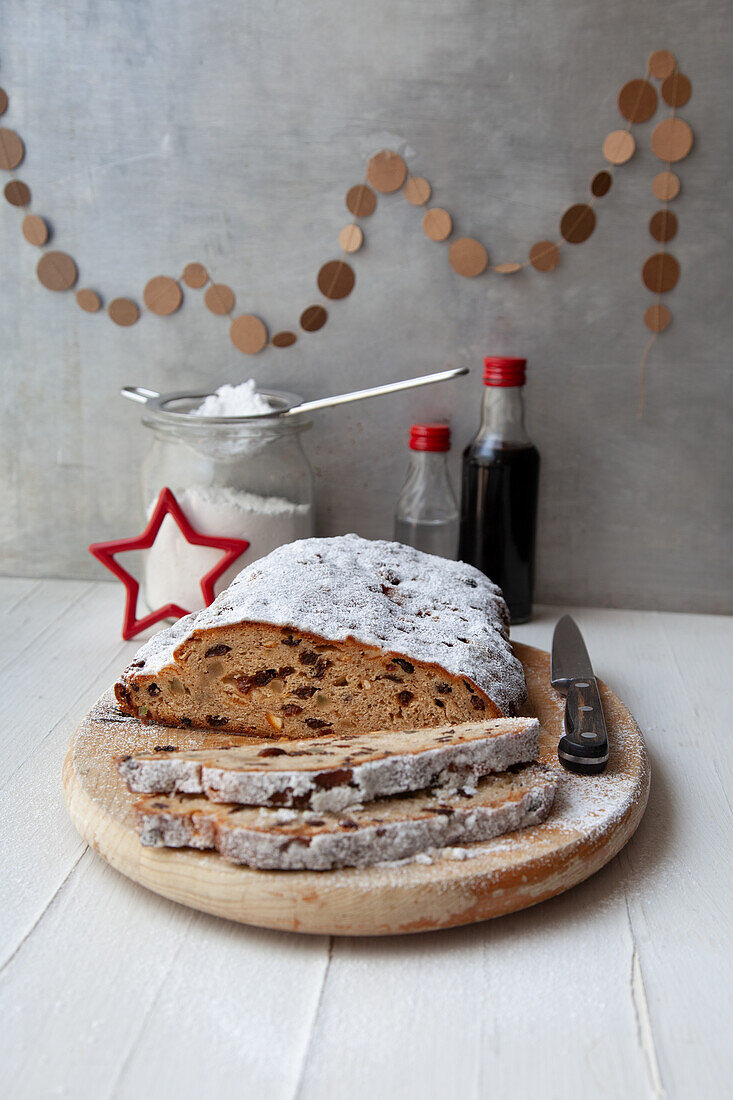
427,515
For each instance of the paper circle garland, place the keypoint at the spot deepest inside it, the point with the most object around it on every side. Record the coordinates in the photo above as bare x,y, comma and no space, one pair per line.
437,224
284,339
672,140
12,150
386,171
544,256
162,295
663,225
619,147
637,101
661,63
657,318
336,279
676,89
56,270
577,223
219,298
601,184
17,193
248,333
468,257
195,275
660,273
666,186
417,191
35,230
88,300
361,201
351,238
313,318
123,311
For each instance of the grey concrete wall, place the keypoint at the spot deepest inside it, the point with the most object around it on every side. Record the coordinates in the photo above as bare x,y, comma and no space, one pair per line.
229,133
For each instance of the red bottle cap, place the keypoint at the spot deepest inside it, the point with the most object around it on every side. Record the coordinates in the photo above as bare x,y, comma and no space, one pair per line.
501,370
430,437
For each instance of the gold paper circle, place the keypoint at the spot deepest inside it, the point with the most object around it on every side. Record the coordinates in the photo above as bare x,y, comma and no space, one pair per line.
663,225
219,298
672,140
657,318
577,224
361,201
162,295
195,275
17,193
637,100
661,63
248,333
88,300
3,101
56,271
417,190
313,318
666,186
676,90
35,230
12,150
351,238
123,311
619,147
468,257
508,268
601,184
386,171
284,339
336,279
660,273
437,224
544,256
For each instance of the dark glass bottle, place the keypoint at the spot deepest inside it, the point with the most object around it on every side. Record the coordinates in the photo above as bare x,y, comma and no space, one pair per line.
499,493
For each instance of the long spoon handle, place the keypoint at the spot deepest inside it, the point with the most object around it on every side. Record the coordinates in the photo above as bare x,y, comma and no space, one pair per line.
376,391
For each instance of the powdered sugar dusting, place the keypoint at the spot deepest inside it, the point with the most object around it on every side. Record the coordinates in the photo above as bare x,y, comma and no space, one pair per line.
379,593
241,400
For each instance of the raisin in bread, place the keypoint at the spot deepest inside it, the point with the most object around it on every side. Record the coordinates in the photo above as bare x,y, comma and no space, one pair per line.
339,635
389,829
327,773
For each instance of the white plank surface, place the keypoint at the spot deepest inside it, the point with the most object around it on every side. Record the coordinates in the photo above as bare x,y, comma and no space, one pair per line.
618,988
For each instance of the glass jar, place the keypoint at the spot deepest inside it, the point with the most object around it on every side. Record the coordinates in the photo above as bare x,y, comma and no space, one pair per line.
233,477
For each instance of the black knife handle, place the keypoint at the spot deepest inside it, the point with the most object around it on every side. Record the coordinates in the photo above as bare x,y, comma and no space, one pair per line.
584,748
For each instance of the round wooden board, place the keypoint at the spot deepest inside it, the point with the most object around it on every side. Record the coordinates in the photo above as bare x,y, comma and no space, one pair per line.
591,820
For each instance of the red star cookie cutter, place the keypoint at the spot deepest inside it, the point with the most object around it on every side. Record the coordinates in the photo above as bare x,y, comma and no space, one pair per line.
166,504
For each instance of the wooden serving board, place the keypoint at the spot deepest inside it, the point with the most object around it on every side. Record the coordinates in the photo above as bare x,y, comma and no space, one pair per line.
591,820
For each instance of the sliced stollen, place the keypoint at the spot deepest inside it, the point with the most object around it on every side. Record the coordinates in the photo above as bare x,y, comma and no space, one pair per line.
388,829
330,773
333,636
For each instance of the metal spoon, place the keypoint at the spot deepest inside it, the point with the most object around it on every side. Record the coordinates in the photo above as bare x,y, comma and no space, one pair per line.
289,405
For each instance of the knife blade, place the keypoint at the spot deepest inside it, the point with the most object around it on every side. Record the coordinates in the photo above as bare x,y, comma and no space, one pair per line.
584,746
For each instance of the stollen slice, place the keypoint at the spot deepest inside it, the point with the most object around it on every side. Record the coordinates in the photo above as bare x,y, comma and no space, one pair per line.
330,773
388,829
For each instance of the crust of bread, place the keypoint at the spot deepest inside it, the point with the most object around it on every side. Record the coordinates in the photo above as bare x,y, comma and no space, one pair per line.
329,774
386,830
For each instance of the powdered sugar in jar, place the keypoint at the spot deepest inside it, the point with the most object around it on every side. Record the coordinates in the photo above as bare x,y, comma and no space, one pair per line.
236,472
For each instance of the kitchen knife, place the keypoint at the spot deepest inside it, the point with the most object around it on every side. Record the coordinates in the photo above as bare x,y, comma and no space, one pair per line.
584,747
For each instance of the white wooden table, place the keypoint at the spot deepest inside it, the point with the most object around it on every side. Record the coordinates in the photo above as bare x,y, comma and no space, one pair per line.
620,988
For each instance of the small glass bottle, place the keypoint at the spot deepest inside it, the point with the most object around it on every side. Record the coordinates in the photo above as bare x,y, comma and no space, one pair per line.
499,493
427,516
